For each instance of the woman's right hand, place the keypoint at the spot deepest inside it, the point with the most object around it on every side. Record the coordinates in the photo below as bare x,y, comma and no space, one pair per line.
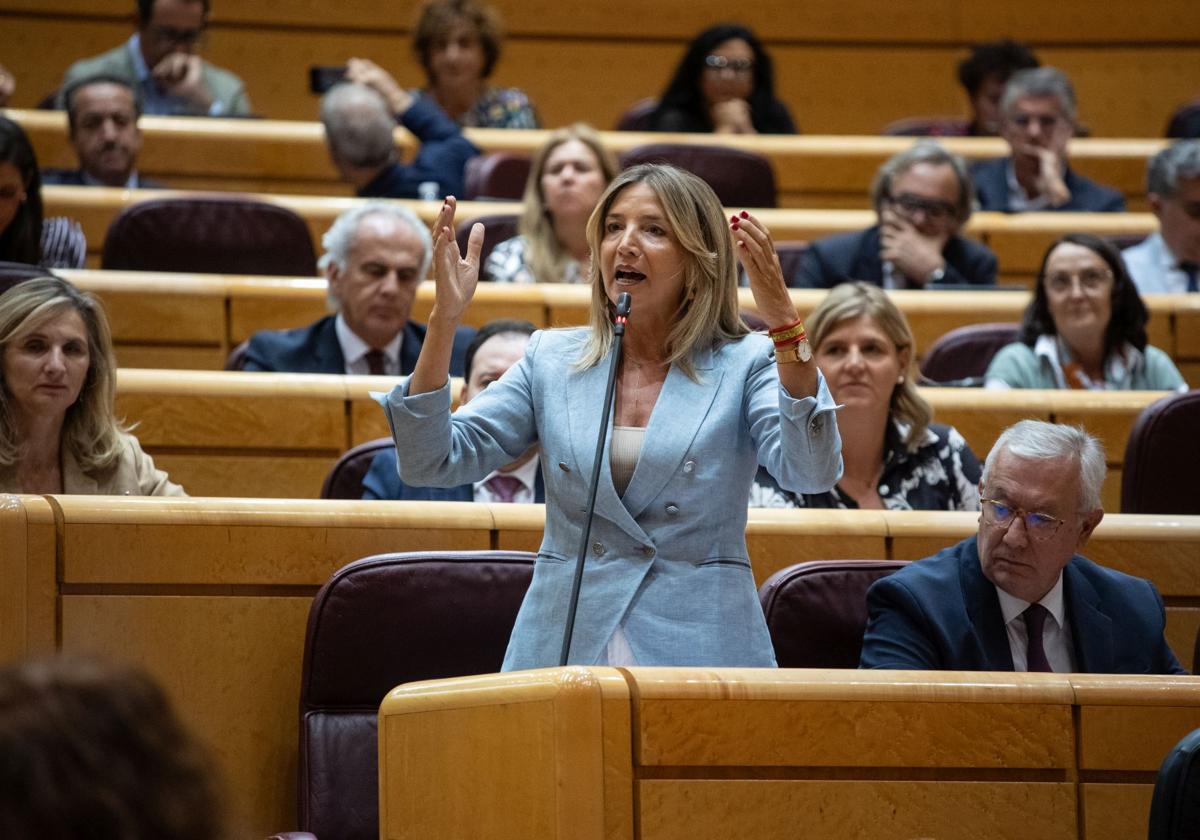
454,275
732,117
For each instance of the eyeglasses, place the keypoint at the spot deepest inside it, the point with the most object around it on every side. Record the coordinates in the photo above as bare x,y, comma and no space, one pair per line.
717,63
182,37
938,211
1046,122
1039,526
1091,280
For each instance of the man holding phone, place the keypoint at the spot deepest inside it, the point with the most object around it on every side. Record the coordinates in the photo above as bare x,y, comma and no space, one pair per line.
160,60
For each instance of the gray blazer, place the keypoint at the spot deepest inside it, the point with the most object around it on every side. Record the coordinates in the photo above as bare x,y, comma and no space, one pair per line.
667,560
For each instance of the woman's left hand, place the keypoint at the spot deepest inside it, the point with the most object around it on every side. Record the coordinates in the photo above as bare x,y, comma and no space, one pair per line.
754,247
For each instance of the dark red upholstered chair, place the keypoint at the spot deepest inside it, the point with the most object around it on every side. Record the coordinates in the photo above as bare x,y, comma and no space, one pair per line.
345,479
817,611
1161,457
637,115
1185,122
210,234
379,622
927,127
962,356
497,228
739,178
496,175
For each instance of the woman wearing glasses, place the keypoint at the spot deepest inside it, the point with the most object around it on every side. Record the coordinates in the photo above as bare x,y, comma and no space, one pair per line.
724,85
1085,328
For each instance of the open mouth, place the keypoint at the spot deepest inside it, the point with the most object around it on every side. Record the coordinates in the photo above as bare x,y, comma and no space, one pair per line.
629,277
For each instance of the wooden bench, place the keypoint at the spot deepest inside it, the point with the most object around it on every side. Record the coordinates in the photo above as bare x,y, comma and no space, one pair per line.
212,596
813,171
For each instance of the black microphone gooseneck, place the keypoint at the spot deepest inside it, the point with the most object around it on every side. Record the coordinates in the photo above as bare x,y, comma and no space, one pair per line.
624,302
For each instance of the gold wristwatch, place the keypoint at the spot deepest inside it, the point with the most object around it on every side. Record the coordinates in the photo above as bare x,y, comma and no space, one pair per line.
798,352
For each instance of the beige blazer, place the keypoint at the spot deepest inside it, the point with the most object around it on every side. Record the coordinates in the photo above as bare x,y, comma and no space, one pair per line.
134,474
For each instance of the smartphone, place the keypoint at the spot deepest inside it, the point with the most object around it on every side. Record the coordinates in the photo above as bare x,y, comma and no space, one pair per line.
322,77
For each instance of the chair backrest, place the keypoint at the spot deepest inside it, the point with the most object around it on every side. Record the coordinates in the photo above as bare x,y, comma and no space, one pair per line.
790,254
379,622
817,611
637,115
1185,122
739,178
1161,455
962,356
927,127
496,175
12,273
1175,805
345,479
210,234
497,228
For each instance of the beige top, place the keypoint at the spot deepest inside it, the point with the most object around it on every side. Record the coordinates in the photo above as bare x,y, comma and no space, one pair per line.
626,447
133,474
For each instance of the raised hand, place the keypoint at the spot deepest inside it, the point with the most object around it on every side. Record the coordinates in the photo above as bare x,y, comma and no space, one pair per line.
911,252
1050,178
182,75
732,117
363,71
754,247
455,276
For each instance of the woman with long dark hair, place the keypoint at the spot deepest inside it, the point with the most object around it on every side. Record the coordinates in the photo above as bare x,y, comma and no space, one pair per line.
24,236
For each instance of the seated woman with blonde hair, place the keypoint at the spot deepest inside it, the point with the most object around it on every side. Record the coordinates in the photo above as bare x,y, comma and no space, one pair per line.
895,457
57,384
567,176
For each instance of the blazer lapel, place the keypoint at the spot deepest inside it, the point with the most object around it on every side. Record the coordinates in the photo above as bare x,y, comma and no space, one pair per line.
671,431
76,480
1091,630
585,408
983,608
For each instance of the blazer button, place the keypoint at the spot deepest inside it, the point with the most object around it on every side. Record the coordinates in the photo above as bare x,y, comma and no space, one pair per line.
689,466
597,548
817,424
648,550
672,510
562,465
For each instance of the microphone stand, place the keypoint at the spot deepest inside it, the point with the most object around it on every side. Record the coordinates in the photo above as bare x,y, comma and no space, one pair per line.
624,302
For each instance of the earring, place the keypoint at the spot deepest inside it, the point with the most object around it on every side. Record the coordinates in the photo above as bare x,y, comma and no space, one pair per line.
900,381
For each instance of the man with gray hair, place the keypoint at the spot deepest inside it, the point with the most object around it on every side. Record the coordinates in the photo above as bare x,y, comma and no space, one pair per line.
1169,261
376,256
1038,122
359,117
922,198
1017,596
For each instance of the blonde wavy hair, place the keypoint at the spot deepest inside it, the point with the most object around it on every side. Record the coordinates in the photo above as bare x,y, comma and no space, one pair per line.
544,254
90,431
708,313
849,301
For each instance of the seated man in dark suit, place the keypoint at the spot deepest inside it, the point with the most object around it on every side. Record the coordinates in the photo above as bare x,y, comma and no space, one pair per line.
1016,596
376,255
497,346
1038,123
922,197
360,116
102,125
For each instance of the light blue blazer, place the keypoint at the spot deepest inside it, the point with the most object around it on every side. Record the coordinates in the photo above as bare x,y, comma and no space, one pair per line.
667,560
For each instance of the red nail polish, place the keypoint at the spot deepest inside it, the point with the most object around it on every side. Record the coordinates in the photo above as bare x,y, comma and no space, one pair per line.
745,215
733,219
734,226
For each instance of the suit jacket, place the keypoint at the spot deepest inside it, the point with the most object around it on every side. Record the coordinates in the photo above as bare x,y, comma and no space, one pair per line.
855,256
941,613
668,560
74,178
316,349
382,482
441,158
991,187
224,86
133,474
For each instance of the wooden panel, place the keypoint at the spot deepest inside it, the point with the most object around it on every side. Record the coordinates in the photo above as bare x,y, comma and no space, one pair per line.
27,577
981,415
1114,811
231,667
1021,239
776,539
1131,737
280,476
1183,626
165,357
886,810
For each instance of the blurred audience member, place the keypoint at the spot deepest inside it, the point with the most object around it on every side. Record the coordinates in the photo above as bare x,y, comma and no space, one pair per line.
1038,120
1084,328
894,456
457,43
8,85
1185,121
376,255
724,84
497,346
93,750
984,74
922,198
568,174
1169,260
25,236
57,383
160,60
102,125
359,118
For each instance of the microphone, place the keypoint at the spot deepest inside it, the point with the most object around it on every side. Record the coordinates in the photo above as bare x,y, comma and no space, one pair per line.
620,318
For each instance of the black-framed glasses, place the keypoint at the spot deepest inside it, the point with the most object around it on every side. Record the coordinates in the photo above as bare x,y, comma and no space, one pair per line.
717,63
1091,279
935,209
1039,526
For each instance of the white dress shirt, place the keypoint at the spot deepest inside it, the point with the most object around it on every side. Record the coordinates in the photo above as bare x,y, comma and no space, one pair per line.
354,350
1056,633
1153,267
526,474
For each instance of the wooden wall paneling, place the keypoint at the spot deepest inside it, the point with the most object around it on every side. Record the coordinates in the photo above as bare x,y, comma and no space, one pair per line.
1114,811
269,476
981,414
1020,240
519,527
776,539
28,575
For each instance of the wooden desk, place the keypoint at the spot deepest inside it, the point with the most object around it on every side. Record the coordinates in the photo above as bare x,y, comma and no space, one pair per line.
693,754
276,156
